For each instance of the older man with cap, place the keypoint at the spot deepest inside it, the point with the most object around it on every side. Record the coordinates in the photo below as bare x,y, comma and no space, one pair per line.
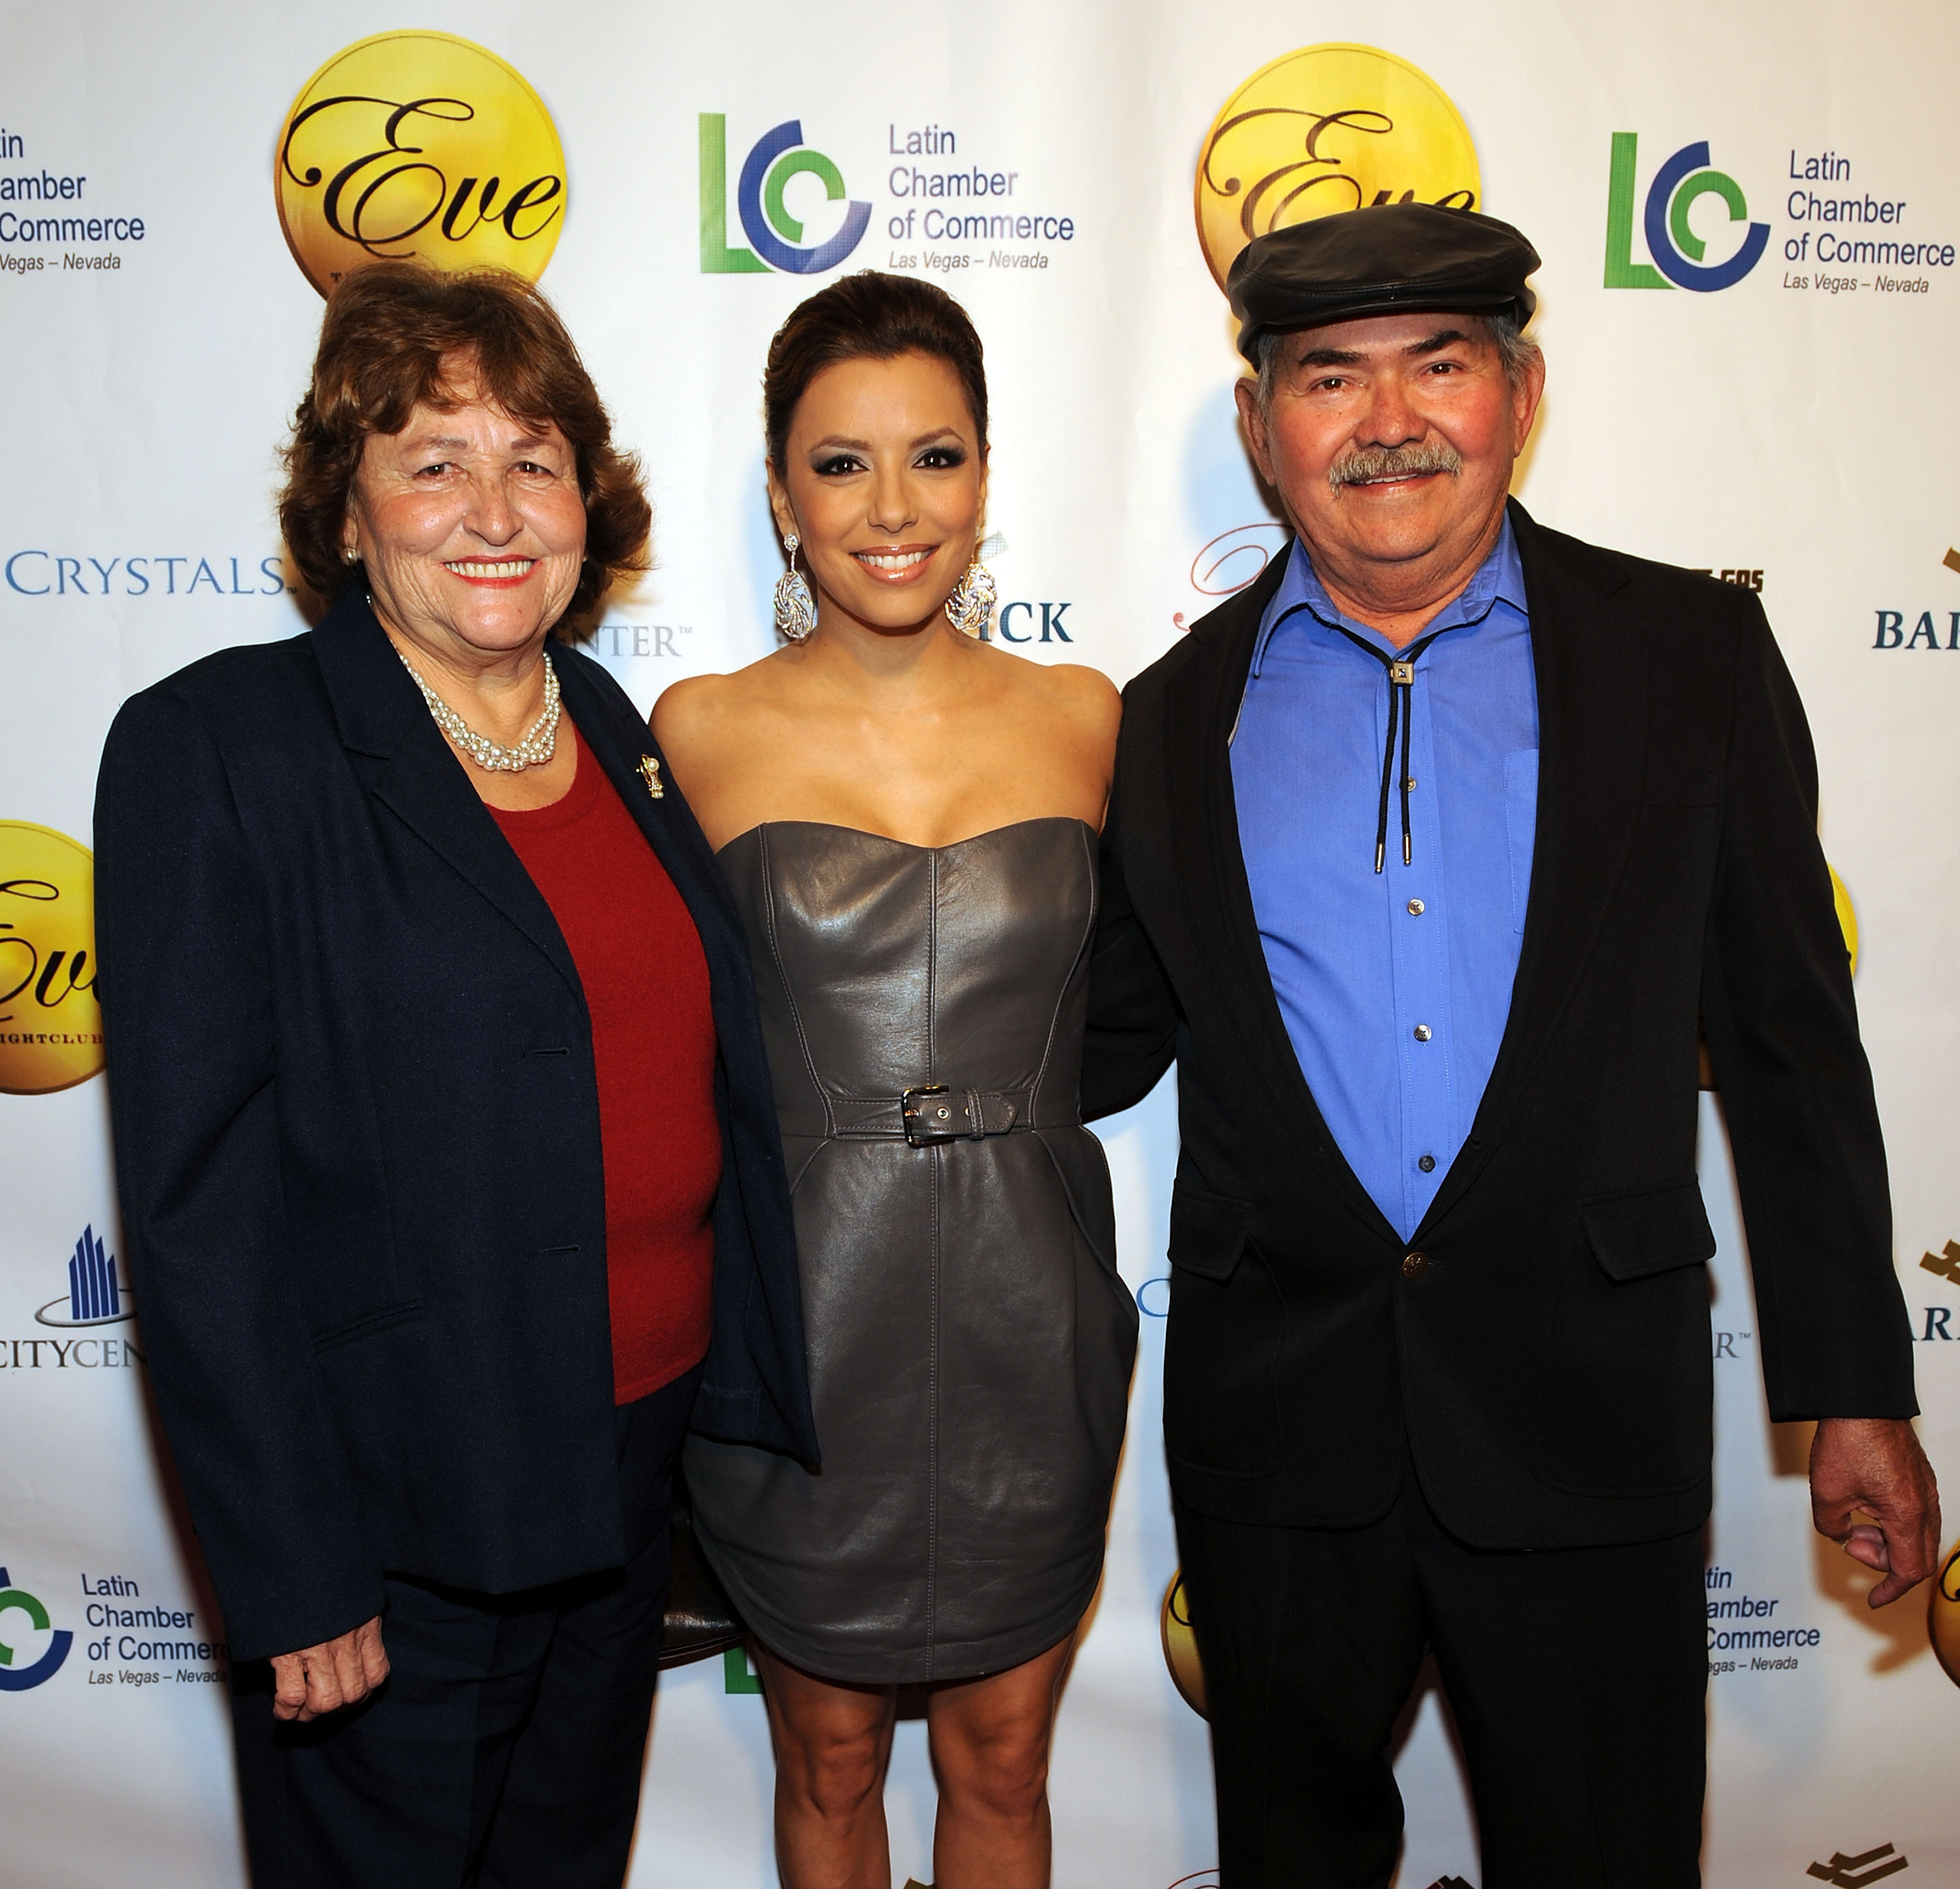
1431,855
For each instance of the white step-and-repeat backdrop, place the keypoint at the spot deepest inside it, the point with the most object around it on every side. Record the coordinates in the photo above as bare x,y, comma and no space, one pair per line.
1748,215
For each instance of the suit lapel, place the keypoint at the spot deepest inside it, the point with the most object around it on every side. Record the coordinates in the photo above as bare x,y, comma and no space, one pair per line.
1592,716
1209,866
408,768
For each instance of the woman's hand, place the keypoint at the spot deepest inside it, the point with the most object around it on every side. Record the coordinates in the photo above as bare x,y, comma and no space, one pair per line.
318,1680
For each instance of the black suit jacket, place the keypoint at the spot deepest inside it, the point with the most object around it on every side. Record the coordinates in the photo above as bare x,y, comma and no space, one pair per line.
1548,1355
357,1139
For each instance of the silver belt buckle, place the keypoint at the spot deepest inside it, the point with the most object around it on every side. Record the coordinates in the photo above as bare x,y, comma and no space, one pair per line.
928,1114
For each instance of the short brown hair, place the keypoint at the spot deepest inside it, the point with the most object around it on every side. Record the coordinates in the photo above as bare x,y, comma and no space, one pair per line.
868,316
399,335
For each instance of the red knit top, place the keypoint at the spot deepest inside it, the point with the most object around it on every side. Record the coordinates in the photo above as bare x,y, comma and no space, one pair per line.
645,978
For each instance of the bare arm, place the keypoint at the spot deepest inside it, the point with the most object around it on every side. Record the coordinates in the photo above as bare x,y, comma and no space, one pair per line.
694,722
1091,712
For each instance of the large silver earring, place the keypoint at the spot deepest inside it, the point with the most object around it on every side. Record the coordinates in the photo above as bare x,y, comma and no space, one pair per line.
796,608
971,606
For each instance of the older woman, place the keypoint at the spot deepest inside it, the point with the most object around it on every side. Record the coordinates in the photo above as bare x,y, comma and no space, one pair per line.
444,1131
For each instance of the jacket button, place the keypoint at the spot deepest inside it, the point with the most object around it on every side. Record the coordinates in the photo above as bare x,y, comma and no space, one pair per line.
1415,1265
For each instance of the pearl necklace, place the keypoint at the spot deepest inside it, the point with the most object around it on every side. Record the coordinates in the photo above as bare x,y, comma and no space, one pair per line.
539,741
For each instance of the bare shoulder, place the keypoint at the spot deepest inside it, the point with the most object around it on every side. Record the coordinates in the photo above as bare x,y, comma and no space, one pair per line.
1077,684
1084,697
696,707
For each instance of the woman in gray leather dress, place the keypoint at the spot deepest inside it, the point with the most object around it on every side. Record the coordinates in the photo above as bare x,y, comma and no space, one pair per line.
907,815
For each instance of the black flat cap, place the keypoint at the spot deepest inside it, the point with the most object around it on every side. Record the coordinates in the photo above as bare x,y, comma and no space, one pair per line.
1383,260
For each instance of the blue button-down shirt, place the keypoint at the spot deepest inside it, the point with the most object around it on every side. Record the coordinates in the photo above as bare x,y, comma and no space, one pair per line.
1395,987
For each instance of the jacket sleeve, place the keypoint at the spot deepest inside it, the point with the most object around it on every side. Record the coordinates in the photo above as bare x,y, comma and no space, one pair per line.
1133,1012
1783,1036
186,993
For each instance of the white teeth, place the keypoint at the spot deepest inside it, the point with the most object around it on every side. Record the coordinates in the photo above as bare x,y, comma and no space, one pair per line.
513,568
893,560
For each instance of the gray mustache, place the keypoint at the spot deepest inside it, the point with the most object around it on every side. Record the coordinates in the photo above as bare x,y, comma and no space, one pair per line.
1368,464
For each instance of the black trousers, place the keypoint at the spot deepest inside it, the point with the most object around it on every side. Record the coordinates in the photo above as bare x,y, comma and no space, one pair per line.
1578,1678
504,1750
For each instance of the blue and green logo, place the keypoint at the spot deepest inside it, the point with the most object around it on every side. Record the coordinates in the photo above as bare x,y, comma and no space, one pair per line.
776,236
1678,252
20,1678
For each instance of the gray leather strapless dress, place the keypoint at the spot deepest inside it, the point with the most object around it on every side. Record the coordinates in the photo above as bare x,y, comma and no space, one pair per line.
970,1342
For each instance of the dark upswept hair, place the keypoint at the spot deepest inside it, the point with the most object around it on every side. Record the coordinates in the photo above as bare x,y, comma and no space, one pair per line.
397,335
868,316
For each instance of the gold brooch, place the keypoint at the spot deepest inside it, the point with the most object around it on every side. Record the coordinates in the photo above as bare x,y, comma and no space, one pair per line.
650,772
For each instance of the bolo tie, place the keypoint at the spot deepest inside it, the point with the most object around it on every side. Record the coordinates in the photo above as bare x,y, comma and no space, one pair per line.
1401,669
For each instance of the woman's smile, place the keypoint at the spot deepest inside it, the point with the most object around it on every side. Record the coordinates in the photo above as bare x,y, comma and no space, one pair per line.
900,565
492,572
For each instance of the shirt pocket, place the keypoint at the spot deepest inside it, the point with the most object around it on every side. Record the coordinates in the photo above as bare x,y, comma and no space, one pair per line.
1521,826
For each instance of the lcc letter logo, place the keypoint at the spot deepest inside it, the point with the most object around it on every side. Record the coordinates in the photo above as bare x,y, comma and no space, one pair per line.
419,145
776,236
50,1022
1678,252
1328,128
16,1672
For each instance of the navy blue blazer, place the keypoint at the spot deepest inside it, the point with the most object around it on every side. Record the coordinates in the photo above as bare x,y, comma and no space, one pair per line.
357,1139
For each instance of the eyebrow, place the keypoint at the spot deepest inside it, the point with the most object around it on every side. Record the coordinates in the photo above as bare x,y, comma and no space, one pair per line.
831,441
455,442
1350,357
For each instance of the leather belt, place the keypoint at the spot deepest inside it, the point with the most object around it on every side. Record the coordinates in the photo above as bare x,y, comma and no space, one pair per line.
932,1114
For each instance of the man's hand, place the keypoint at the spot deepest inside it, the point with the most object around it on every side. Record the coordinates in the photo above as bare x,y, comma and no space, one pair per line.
1871,1488
343,1671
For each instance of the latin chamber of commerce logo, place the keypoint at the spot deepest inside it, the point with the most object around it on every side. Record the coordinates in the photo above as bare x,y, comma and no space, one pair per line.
422,145
1843,239
1326,129
32,1648
144,1644
777,239
44,210
953,209
1747,1633
1680,255
50,1022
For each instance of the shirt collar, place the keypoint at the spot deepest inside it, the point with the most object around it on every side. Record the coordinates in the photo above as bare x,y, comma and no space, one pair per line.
1499,579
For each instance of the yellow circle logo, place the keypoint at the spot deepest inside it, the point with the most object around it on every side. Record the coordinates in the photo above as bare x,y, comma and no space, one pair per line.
1945,1622
50,1024
1847,919
1329,128
1180,1645
422,145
